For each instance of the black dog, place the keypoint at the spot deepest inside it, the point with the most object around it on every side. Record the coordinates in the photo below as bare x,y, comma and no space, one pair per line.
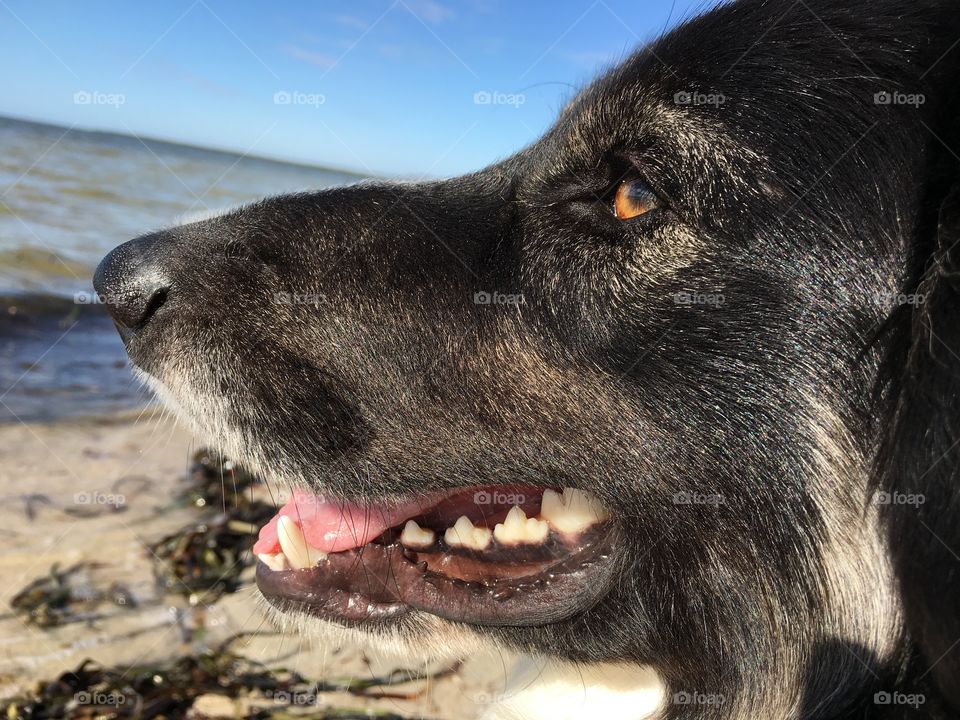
718,303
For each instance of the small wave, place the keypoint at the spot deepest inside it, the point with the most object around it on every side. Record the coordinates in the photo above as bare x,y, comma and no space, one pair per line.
92,192
41,261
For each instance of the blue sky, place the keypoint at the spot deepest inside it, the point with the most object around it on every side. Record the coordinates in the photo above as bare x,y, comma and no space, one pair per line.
407,88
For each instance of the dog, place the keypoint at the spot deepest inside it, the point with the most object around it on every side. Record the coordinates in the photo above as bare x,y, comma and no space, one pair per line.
667,402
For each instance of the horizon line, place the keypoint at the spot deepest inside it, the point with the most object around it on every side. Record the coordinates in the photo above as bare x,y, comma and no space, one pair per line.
232,152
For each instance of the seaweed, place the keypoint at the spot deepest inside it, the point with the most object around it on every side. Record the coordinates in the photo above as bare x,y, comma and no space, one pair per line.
205,560
152,691
216,482
66,596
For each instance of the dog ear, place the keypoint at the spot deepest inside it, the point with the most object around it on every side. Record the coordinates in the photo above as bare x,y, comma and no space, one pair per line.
918,478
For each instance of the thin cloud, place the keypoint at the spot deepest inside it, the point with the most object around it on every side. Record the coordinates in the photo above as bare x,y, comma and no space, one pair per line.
183,75
309,56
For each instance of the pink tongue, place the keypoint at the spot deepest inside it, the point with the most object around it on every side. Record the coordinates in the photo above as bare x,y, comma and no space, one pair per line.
332,526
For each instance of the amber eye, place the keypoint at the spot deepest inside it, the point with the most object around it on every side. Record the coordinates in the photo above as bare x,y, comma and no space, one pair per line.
633,199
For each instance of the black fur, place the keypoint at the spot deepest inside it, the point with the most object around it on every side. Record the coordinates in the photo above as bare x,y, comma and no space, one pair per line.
800,204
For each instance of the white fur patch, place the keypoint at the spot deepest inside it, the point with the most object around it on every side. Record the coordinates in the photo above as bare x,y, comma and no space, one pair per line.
540,688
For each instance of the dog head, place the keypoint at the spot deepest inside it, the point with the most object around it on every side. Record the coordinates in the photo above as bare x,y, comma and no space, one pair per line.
704,305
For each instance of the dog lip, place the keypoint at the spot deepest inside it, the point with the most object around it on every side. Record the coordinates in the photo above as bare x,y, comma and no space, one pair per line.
513,575
292,592
393,581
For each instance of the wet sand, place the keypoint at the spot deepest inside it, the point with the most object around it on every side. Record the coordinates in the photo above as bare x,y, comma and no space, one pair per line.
98,491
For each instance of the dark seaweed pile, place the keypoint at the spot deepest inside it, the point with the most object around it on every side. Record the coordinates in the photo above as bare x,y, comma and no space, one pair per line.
67,595
205,560
154,692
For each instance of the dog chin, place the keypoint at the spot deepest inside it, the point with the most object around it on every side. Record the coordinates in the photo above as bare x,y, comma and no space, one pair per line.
423,639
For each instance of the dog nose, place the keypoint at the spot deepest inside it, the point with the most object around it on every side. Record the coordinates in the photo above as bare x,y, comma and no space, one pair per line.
132,282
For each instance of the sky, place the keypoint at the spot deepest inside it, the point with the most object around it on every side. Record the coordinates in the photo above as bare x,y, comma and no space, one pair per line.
400,88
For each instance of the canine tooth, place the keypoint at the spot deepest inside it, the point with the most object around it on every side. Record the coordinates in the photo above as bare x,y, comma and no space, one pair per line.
415,536
276,562
572,510
294,545
551,504
518,528
464,534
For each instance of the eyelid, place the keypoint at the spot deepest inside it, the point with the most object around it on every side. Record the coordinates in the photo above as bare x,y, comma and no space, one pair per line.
581,188
646,171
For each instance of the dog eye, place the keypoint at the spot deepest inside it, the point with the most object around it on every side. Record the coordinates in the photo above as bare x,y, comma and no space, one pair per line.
633,198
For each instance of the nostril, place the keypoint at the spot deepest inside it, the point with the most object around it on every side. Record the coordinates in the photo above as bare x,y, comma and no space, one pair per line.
157,298
132,283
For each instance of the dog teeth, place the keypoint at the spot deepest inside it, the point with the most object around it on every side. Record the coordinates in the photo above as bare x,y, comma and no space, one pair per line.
464,534
415,536
277,562
294,546
568,511
571,511
517,528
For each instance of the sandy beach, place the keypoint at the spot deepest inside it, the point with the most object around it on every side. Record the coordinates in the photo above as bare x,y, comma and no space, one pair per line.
99,491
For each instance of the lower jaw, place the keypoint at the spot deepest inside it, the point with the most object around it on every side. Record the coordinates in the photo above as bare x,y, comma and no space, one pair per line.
344,607
384,583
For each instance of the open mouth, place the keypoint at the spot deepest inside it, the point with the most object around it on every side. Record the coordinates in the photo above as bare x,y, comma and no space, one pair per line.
481,555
